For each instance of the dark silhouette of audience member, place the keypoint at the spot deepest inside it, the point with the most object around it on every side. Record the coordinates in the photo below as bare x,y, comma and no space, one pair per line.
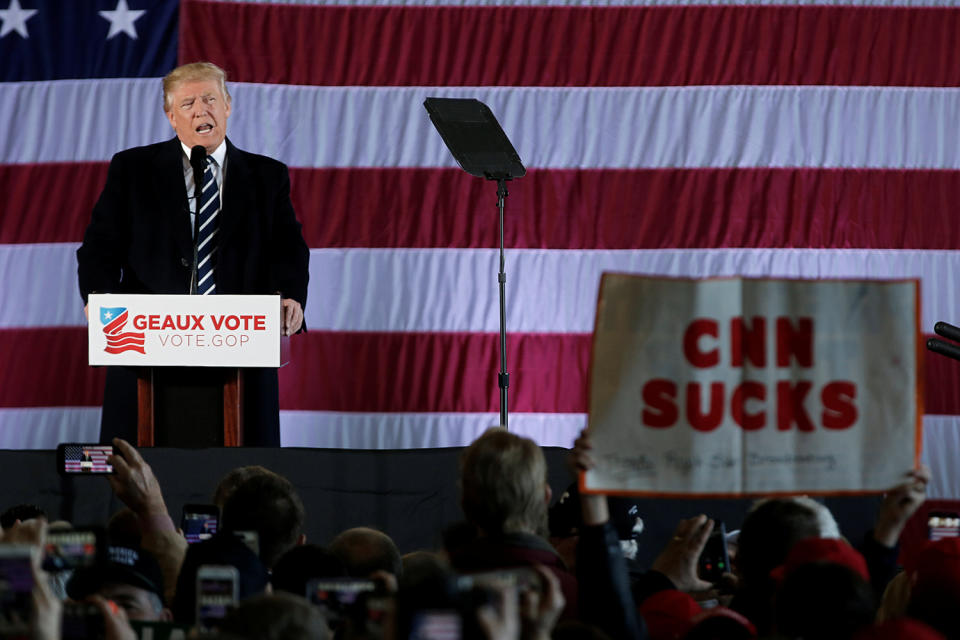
365,551
269,505
281,616
303,563
131,578
935,595
504,494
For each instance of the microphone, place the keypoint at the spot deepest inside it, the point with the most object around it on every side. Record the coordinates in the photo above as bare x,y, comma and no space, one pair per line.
198,160
943,348
947,331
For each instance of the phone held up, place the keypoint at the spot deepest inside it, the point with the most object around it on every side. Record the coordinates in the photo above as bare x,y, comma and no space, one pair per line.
77,458
715,558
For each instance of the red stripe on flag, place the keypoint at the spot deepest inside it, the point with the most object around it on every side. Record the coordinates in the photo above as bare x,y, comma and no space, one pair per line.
69,191
564,208
380,372
575,46
57,374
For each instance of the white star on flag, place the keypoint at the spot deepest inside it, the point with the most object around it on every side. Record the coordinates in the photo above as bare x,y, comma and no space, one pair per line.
122,19
15,19
107,315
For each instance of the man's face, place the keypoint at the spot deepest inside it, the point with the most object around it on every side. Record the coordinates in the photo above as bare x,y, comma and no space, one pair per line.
198,113
139,604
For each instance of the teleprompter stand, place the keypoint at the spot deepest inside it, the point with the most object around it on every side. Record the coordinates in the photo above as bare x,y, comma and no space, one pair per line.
479,145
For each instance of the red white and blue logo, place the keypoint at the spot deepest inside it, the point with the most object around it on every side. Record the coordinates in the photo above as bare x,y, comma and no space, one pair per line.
114,319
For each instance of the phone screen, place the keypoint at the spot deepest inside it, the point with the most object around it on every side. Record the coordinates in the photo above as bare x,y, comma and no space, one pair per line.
84,458
67,550
198,526
340,598
216,595
943,524
436,625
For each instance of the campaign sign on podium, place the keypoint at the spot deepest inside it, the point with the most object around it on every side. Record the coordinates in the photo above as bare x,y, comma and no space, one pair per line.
754,387
193,331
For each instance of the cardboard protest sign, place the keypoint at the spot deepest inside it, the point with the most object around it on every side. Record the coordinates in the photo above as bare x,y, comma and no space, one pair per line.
739,386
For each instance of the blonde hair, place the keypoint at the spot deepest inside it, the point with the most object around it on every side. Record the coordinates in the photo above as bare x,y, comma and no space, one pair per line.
193,72
502,481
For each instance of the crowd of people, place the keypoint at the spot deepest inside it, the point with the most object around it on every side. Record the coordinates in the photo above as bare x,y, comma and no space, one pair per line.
510,570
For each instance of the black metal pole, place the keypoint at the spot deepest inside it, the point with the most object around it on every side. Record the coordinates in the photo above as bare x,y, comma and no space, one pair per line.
504,377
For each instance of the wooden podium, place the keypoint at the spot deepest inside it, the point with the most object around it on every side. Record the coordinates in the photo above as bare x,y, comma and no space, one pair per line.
190,352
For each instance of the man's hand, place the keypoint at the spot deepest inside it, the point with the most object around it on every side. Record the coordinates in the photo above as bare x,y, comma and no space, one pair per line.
291,316
899,505
134,483
593,507
678,561
539,611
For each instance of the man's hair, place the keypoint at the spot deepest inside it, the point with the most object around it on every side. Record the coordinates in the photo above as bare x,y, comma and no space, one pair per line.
364,551
234,478
269,505
22,512
193,72
280,616
502,480
772,527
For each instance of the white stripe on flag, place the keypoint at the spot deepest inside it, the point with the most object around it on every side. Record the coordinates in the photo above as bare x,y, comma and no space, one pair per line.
618,127
608,3
552,291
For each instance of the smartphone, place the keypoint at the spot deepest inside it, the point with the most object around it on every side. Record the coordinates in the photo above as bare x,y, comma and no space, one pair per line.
16,590
218,588
76,458
715,558
340,598
943,524
199,521
436,625
72,549
521,578
82,621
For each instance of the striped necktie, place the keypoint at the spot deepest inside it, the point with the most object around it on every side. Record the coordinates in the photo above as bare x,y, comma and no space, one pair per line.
207,231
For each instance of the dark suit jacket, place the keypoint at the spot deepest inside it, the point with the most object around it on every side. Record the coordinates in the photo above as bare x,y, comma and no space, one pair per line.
140,241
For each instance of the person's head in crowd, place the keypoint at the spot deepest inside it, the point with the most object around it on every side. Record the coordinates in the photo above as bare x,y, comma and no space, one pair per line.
269,505
222,549
299,565
280,616
364,551
131,578
21,512
503,484
935,593
123,528
824,600
668,613
720,623
234,478
771,529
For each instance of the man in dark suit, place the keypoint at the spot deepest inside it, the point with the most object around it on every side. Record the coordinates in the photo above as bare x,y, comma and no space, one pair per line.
140,237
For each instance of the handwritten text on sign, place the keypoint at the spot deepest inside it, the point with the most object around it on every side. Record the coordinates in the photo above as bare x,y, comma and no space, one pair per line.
753,386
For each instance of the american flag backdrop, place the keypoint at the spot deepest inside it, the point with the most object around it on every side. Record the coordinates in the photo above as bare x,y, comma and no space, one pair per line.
804,139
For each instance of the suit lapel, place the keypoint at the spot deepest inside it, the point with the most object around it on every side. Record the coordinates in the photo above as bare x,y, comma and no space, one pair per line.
232,208
172,193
